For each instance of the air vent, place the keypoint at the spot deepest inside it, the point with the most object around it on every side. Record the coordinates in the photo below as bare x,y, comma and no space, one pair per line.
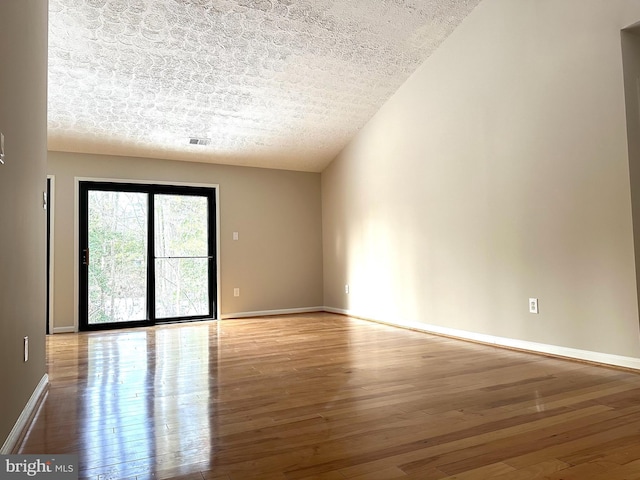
199,141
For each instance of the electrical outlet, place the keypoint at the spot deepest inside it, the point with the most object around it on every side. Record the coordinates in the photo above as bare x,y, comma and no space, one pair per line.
236,292
235,235
26,349
346,289
533,305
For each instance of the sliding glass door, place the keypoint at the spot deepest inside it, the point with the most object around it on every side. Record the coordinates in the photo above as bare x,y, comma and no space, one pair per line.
146,254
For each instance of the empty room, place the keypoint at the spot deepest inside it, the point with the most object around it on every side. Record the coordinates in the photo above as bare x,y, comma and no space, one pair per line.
332,239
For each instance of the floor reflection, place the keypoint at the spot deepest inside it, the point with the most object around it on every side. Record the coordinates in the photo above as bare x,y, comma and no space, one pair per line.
183,420
147,403
118,375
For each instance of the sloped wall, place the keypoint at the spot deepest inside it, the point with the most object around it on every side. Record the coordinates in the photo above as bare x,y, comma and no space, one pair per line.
498,172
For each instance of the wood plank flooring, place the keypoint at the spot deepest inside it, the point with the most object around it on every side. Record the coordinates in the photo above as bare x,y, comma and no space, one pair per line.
326,397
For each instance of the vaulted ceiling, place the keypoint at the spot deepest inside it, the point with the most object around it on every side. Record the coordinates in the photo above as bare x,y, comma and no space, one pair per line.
269,83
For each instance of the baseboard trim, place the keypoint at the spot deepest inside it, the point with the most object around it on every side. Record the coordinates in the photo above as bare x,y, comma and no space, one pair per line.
19,429
542,348
266,313
64,330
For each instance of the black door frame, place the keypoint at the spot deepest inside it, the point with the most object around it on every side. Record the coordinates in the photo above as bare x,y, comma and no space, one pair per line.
151,189
48,204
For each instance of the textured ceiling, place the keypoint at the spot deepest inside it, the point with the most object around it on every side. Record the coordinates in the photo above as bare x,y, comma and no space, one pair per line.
268,83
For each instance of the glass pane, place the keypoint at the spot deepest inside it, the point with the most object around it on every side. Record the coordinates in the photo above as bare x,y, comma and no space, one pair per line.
181,250
182,287
181,226
118,256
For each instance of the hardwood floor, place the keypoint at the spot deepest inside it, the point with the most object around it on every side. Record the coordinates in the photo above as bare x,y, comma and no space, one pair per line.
322,396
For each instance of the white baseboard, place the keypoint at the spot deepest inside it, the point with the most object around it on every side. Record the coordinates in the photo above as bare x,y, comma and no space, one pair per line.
64,330
264,313
557,351
23,420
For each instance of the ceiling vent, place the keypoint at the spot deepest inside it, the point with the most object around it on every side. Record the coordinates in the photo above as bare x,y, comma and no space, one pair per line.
199,141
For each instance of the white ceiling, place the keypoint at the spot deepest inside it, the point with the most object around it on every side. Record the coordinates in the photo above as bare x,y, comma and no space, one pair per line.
270,83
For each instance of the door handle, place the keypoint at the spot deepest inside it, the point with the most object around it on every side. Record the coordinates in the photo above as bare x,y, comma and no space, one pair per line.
85,256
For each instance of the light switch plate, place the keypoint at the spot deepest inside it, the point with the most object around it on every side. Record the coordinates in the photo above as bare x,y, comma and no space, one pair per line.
1,148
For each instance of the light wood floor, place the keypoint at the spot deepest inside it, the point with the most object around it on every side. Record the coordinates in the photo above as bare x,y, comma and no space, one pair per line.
322,396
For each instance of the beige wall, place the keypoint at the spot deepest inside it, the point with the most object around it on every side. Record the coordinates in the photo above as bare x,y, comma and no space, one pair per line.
23,116
498,172
277,261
